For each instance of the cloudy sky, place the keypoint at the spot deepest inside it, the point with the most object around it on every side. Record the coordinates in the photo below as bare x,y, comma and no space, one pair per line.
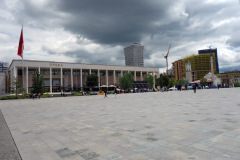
96,31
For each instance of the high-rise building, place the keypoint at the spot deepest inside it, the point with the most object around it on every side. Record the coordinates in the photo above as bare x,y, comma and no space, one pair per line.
200,65
3,66
211,51
178,69
134,55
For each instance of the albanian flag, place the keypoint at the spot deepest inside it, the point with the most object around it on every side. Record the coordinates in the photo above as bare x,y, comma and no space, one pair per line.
21,46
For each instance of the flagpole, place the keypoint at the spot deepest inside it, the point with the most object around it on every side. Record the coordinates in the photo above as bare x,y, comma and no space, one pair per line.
22,67
22,73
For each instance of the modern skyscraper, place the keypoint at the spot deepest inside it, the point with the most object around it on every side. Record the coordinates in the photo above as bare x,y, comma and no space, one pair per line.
134,55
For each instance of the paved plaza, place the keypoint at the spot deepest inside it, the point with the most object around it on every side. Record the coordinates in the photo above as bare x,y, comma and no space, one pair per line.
139,126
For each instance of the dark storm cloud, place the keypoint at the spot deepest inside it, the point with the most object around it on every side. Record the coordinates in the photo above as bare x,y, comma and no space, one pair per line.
112,22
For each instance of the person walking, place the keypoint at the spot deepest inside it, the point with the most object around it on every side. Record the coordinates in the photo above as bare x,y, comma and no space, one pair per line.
185,87
39,95
194,88
105,91
115,92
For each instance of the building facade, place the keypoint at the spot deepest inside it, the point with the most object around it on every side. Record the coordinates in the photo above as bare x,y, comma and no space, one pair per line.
3,66
134,55
178,69
59,76
211,51
200,65
229,77
2,82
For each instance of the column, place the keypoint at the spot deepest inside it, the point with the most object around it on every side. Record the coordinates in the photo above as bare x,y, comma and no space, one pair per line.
15,71
106,77
135,75
76,79
26,79
114,77
71,79
51,80
153,81
98,78
61,80
39,70
121,73
90,71
141,76
81,79
147,72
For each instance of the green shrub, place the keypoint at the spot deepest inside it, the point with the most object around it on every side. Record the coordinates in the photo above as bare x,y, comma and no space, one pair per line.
4,98
236,84
26,96
46,96
12,97
77,93
101,92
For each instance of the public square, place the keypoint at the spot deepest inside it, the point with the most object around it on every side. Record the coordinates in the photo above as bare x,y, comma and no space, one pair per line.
138,126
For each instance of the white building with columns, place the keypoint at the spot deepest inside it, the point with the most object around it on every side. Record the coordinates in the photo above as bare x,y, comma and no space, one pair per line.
59,76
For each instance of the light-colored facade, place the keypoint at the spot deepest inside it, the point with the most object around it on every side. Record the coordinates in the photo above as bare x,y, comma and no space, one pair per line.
73,75
2,82
134,55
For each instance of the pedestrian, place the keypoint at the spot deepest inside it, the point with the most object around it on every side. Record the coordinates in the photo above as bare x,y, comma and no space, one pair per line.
105,91
39,95
115,92
218,85
194,88
185,87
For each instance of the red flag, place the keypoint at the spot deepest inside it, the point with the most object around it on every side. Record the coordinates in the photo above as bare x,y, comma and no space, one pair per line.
21,46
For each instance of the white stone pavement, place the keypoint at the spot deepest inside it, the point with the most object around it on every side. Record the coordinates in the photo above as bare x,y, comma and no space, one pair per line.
139,126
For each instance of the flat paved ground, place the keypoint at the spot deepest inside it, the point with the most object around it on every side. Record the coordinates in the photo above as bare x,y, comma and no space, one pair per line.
168,125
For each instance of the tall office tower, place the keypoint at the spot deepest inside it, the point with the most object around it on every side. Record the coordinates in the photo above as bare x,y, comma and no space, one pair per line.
134,55
211,51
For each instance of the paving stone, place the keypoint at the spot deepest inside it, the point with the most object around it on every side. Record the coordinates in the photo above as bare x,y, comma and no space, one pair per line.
158,125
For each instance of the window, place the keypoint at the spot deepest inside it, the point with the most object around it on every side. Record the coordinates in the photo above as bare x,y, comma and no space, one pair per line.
46,82
118,73
56,83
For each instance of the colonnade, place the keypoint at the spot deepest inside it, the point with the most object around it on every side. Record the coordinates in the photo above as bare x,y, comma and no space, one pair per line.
81,70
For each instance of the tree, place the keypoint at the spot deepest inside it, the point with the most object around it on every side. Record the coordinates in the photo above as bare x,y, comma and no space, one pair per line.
182,81
37,85
172,82
126,81
159,82
16,86
149,79
165,80
92,80
203,82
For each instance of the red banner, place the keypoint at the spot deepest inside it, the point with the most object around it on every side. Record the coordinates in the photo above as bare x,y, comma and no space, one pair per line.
21,45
